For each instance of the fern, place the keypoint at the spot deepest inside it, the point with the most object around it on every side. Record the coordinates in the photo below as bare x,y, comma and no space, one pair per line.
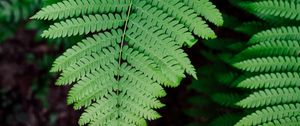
71,8
281,33
290,121
270,64
270,114
84,25
271,48
207,10
135,48
272,9
270,97
272,61
265,69
270,80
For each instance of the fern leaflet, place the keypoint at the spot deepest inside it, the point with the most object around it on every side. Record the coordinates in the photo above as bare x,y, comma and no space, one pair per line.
270,80
270,64
271,114
270,97
281,33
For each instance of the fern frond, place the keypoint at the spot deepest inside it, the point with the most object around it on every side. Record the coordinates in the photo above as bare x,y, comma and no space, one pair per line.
103,113
290,121
270,97
103,110
165,62
150,86
84,25
85,65
271,80
270,64
206,9
74,8
169,24
187,16
86,47
149,67
85,90
288,9
118,74
154,37
281,33
271,48
270,114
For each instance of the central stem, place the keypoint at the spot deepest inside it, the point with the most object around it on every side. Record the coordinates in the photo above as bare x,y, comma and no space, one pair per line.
120,56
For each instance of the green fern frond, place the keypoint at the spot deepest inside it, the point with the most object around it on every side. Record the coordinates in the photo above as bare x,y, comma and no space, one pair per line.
270,97
185,15
290,121
206,9
176,54
71,8
287,9
281,33
86,47
118,74
84,25
270,80
270,64
152,87
167,23
85,65
104,112
270,114
271,48
91,85
150,68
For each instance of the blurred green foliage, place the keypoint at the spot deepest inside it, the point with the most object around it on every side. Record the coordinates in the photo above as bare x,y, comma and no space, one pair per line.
14,14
